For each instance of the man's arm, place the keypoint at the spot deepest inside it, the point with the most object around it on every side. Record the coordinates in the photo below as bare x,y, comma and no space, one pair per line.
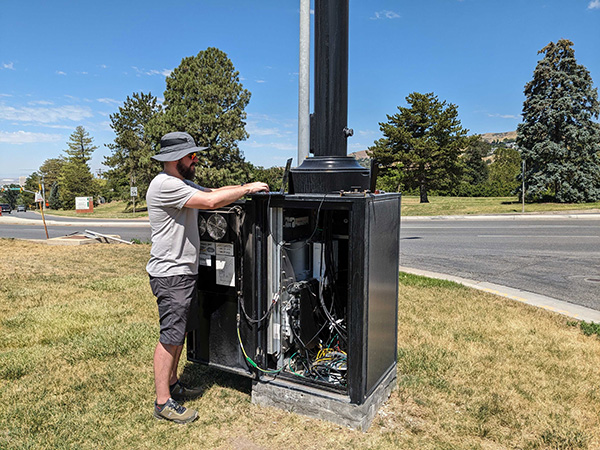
224,188
223,196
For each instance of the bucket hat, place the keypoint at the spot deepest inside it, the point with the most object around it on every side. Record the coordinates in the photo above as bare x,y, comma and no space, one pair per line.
175,145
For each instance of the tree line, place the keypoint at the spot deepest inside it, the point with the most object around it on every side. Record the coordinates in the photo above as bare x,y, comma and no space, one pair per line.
424,148
203,96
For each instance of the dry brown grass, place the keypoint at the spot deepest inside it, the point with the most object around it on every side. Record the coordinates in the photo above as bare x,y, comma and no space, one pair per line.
78,327
486,372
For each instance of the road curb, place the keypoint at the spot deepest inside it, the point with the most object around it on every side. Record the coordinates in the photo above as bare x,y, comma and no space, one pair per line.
76,223
541,301
582,216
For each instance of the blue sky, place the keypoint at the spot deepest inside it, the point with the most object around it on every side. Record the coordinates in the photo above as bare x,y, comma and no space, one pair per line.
65,63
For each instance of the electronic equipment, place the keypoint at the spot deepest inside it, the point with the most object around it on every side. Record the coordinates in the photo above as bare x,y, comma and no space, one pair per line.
301,290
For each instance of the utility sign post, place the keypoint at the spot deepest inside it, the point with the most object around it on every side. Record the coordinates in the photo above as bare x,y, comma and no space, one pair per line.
133,193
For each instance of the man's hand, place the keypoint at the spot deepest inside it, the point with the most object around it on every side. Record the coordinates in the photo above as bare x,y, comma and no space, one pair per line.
257,186
216,198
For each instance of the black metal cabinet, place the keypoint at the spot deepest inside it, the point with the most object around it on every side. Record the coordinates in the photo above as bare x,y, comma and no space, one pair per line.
225,260
312,272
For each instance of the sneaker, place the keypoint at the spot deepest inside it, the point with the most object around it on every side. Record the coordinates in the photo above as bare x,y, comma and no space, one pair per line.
180,391
174,412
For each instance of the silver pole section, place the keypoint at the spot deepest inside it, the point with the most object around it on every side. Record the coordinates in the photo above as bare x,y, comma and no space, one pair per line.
304,83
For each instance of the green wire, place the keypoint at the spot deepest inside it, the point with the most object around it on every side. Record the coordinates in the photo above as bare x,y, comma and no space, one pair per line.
290,366
252,363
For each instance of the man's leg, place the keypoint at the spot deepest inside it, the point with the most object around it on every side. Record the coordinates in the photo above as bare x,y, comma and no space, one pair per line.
173,378
165,358
166,408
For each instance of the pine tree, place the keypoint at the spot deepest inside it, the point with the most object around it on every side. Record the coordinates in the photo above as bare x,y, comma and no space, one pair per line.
422,145
558,138
54,199
80,145
75,178
130,162
205,98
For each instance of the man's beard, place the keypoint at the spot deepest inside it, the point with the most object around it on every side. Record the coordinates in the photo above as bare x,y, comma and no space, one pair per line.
186,172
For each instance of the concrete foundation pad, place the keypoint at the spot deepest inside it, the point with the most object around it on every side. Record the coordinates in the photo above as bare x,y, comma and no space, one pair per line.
320,404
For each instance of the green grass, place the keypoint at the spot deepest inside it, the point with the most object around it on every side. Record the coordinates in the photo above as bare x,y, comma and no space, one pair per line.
447,206
590,328
78,327
112,210
437,206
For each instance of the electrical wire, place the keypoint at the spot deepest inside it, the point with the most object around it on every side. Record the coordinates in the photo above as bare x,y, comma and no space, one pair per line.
240,212
329,275
266,314
290,366
333,322
329,365
312,338
248,359
309,239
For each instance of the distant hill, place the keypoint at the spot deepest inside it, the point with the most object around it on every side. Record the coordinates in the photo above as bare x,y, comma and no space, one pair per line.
359,155
491,137
488,137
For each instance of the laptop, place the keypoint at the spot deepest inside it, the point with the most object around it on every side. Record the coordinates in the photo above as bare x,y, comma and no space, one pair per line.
284,182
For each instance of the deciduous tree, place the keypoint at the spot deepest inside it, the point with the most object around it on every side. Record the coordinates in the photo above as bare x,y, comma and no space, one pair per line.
475,168
50,170
9,195
558,138
504,172
273,176
32,184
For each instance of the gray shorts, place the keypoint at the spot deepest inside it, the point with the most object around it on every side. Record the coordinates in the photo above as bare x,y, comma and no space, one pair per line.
176,297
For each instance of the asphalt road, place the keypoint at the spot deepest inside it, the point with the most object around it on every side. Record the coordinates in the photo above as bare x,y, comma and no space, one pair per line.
559,258
32,227
556,257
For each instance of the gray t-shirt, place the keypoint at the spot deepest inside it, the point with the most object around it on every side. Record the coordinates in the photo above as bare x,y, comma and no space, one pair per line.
175,237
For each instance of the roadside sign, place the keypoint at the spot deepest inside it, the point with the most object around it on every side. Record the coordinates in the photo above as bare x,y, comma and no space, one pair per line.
84,204
133,190
38,197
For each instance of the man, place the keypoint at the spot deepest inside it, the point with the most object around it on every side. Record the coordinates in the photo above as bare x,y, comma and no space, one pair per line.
173,202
